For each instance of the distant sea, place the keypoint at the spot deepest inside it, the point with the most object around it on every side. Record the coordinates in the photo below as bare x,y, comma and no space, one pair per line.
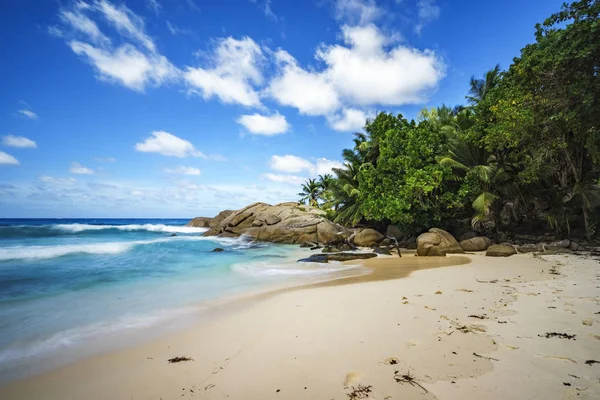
74,287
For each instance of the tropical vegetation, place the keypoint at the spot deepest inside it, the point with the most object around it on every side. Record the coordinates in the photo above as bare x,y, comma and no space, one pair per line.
523,153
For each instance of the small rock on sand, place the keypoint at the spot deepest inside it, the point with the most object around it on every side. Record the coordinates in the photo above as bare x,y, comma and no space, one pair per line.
588,322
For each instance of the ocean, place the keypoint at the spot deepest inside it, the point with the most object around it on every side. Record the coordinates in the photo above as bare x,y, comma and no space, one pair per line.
70,288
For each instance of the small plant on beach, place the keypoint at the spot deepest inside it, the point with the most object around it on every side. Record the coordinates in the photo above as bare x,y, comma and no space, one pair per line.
407,378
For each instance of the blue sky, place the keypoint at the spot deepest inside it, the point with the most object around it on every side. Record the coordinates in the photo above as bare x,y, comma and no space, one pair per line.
178,108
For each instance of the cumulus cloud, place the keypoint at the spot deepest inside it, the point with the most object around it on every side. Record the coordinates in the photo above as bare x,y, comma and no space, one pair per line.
348,119
289,179
232,71
369,69
7,159
135,64
290,163
168,145
295,164
79,169
18,141
28,114
263,124
183,170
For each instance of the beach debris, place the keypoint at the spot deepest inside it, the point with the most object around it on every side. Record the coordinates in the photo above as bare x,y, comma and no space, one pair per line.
438,292
478,316
469,328
464,290
278,390
487,358
591,362
492,281
553,271
566,384
502,322
595,336
587,322
391,361
179,359
560,335
408,378
359,392
209,386
430,308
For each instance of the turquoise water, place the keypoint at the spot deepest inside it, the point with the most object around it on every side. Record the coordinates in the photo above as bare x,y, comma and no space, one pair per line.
81,286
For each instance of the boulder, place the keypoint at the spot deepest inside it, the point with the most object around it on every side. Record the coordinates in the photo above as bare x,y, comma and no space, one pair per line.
478,243
467,235
437,238
346,247
575,246
217,250
288,223
499,250
558,245
330,249
307,244
367,237
318,258
206,222
436,252
528,248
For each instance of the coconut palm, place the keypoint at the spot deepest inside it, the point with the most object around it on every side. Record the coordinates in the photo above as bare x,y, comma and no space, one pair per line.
311,191
481,87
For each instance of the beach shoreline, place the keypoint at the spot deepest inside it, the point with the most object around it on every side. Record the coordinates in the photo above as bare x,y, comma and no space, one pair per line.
331,337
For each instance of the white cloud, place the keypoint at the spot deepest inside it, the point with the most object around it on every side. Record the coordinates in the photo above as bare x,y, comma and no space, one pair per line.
310,92
175,30
136,193
266,8
18,141
79,21
126,22
295,164
264,125
79,169
127,65
7,159
325,166
168,145
290,163
233,68
134,64
28,114
181,169
289,179
357,12
367,71
428,11
348,119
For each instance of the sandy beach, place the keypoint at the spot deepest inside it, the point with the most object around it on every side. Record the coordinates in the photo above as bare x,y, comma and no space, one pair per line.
416,328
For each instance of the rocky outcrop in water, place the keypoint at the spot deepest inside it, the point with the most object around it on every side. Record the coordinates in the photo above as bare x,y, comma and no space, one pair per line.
208,222
287,223
326,257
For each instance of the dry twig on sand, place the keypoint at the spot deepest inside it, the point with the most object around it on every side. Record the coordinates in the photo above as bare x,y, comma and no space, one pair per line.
549,335
179,359
487,358
408,378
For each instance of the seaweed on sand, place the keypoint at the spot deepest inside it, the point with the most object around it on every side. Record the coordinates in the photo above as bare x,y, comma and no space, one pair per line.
359,392
549,335
179,359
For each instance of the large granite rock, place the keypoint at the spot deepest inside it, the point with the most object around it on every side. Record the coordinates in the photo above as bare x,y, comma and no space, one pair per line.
500,250
207,222
478,243
367,238
438,238
287,223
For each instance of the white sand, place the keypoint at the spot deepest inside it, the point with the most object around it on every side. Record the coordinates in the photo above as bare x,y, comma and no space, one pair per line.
318,343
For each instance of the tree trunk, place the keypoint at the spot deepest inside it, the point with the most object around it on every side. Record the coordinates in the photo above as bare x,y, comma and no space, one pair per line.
577,176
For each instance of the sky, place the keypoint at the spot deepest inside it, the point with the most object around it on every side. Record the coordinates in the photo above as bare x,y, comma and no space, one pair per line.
180,108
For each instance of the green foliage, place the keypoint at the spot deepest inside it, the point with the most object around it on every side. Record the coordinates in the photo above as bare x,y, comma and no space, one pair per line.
525,151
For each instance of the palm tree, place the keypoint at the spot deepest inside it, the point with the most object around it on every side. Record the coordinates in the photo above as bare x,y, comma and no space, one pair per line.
311,191
481,87
326,183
